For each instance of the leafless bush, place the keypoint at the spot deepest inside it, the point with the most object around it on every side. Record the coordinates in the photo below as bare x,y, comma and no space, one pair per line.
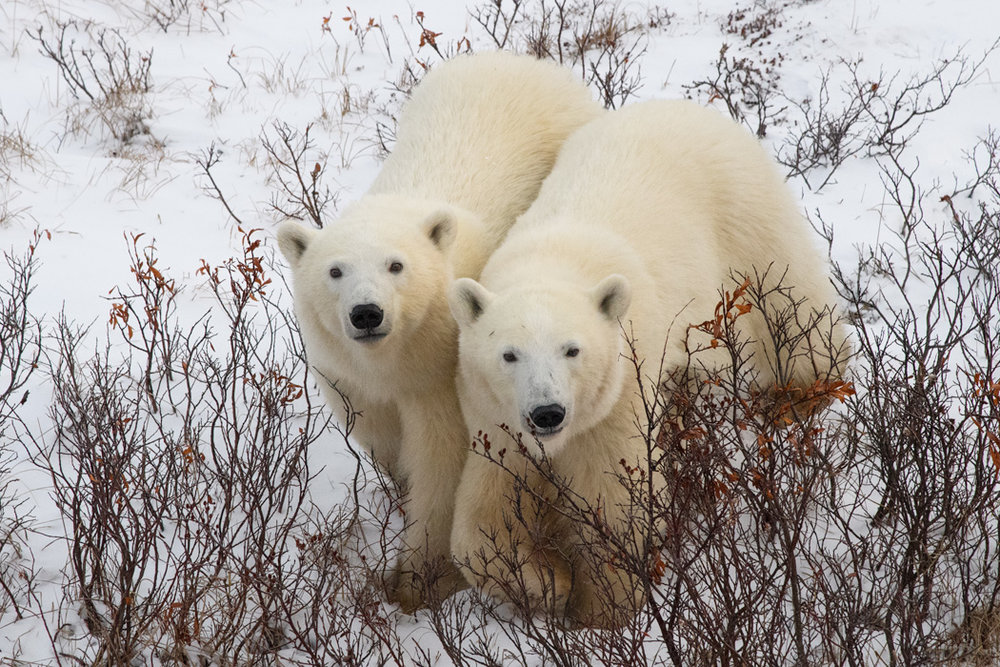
299,190
603,39
985,160
747,80
170,13
360,28
385,135
923,433
105,73
16,150
181,468
897,114
824,137
498,20
867,537
748,88
880,114
20,352
20,332
207,162
300,193
755,24
424,47
15,522
747,467
333,599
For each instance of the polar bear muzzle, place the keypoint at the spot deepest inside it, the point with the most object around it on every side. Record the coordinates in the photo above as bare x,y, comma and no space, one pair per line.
547,419
366,318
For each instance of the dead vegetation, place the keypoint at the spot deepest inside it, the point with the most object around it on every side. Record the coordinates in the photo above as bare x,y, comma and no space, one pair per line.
603,40
105,74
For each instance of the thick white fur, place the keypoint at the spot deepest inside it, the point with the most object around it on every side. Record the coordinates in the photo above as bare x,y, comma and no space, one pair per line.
473,145
638,226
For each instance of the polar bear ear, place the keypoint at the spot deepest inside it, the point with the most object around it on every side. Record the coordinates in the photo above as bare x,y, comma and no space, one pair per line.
468,299
441,228
613,295
293,239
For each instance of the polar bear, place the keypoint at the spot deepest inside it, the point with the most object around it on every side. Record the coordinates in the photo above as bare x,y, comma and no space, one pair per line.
474,142
645,215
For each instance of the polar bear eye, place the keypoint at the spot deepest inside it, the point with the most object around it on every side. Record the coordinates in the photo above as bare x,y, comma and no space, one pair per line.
509,357
335,272
396,267
572,351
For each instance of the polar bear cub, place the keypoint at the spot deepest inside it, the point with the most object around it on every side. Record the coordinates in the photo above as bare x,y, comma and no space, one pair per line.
647,211
473,144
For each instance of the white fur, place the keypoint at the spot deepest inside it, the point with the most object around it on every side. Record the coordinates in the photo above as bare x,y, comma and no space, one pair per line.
473,145
638,226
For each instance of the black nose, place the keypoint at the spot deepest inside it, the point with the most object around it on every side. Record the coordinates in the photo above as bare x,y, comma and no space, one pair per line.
366,316
548,416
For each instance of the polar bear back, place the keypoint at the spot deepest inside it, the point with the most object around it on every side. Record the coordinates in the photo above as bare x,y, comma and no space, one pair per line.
663,173
481,132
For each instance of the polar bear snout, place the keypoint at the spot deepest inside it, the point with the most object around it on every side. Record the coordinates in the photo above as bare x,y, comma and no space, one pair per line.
366,316
547,419
368,321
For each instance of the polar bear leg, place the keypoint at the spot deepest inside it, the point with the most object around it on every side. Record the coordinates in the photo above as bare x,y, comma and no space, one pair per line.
375,426
502,537
432,456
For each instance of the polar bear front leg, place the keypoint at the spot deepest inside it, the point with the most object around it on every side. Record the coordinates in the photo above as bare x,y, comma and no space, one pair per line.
611,562
432,456
373,425
608,591
502,539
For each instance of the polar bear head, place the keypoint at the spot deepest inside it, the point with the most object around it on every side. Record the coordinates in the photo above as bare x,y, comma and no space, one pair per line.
545,361
369,279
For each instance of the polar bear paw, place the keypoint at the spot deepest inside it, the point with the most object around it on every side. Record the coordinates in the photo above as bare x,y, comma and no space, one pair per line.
415,585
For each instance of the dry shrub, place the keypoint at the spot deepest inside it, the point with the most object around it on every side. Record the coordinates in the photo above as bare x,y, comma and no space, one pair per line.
20,353
747,78
748,88
603,39
181,467
299,195
878,117
186,15
104,74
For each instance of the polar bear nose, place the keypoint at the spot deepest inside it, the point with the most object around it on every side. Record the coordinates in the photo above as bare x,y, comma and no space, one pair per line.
366,316
548,416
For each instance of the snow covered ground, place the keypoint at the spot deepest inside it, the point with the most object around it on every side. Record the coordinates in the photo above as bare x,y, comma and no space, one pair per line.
221,73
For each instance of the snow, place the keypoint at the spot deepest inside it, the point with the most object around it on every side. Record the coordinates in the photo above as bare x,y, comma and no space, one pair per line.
228,69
